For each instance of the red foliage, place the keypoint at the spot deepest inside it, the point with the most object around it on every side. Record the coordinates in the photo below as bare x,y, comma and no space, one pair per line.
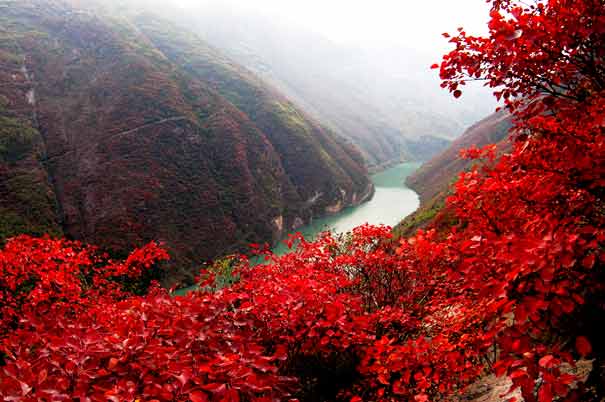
515,287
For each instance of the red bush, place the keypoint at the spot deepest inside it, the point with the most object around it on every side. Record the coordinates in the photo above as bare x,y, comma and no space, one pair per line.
516,287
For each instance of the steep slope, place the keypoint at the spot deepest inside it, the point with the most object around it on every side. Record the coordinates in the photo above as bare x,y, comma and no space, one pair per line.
305,145
385,101
434,178
27,201
126,141
436,174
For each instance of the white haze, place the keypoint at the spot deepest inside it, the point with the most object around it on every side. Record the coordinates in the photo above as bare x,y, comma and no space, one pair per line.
398,37
366,59
413,24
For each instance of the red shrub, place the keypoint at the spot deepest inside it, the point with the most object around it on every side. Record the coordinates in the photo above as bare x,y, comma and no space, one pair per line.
515,287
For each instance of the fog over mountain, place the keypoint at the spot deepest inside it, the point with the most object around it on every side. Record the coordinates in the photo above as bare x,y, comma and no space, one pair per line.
360,70
255,118
369,82
416,24
118,128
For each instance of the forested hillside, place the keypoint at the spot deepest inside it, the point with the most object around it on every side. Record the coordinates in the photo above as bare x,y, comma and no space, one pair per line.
511,291
118,129
434,181
383,100
441,171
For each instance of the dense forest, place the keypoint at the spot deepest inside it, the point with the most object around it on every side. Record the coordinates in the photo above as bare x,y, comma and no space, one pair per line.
512,285
118,129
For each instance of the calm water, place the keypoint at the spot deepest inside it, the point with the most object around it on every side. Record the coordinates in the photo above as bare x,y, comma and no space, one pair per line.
392,202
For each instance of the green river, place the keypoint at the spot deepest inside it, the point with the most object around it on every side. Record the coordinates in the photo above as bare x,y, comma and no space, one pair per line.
392,202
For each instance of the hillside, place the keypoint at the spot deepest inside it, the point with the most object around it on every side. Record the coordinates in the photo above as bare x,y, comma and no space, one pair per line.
118,129
506,303
433,180
385,101
439,172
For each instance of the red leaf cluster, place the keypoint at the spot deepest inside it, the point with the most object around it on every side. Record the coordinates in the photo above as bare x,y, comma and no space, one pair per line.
514,287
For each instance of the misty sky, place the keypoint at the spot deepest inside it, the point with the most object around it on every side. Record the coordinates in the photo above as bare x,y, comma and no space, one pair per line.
410,23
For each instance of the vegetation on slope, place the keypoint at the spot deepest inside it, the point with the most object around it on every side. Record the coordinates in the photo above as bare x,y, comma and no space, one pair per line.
27,202
442,170
303,142
425,215
434,181
385,102
515,287
147,133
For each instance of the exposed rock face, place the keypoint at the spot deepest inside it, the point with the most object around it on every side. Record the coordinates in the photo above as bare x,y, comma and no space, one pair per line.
498,389
334,209
365,196
133,132
279,225
298,222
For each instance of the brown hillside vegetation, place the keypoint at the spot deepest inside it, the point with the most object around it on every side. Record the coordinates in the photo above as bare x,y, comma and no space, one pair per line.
439,172
121,132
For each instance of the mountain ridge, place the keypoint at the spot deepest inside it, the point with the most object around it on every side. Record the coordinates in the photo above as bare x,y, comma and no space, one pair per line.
363,97
433,181
135,146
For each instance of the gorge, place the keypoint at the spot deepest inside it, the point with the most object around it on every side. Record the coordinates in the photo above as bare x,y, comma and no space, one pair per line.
120,126
138,157
393,200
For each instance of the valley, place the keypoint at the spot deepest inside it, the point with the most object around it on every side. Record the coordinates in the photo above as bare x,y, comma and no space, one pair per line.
140,125
202,201
121,128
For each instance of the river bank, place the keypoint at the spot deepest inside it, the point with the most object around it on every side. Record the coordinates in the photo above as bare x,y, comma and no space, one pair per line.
392,201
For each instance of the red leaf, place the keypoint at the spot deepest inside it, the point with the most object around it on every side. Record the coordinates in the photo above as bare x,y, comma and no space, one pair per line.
588,261
215,388
198,396
113,362
547,361
421,398
42,376
434,66
457,93
518,374
583,346
545,393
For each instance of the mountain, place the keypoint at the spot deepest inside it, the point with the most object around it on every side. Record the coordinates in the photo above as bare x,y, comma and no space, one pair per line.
384,99
438,173
433,180
120,128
